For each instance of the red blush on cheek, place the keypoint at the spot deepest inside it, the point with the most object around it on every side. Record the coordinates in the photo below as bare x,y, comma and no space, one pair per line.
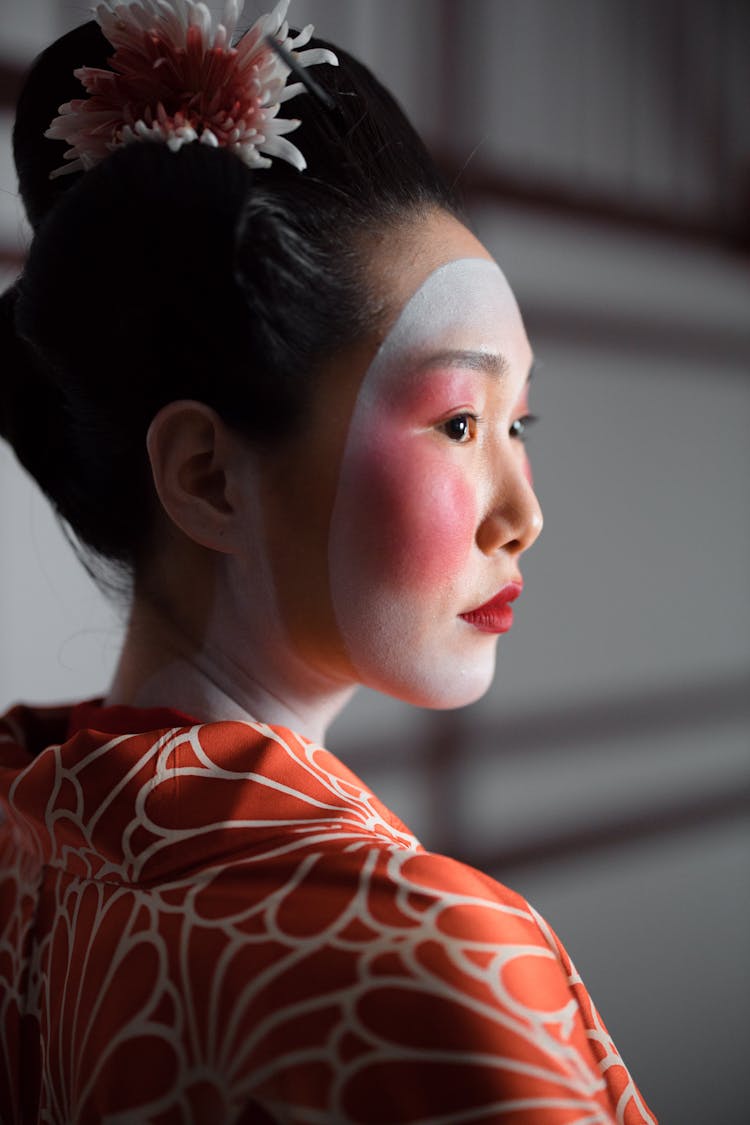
415,509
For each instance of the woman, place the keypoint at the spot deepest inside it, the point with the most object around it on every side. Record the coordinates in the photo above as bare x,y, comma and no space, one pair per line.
289,402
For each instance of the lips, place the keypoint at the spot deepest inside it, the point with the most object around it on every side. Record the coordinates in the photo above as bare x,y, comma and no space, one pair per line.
496,615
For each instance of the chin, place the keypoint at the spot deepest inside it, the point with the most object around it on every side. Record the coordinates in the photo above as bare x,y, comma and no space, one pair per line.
440,688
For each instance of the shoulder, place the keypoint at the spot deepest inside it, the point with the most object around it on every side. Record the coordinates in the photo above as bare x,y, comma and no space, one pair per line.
467,935
441,990
471,999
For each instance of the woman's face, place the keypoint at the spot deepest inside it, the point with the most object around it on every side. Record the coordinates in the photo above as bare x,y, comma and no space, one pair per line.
408,501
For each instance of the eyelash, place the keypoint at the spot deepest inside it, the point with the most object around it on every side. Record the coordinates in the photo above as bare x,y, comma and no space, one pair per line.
525,422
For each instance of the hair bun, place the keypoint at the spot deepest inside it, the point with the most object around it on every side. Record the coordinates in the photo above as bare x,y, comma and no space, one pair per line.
49,83
30,404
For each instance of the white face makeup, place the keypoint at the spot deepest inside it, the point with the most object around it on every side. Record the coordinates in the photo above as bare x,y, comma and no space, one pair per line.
429,518
357,548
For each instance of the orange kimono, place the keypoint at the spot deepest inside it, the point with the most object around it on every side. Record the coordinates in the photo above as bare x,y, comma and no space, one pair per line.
220,923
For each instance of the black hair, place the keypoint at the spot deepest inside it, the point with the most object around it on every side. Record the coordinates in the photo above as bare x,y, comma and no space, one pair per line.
158,275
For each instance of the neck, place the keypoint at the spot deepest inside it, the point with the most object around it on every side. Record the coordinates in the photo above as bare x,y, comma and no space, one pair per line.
224,674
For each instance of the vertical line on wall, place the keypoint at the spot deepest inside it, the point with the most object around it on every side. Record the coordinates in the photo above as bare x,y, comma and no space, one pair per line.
451,76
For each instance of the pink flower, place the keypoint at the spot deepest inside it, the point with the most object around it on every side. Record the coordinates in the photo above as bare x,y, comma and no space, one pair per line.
175,78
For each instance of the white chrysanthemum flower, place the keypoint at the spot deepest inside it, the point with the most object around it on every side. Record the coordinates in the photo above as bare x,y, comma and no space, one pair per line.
175,78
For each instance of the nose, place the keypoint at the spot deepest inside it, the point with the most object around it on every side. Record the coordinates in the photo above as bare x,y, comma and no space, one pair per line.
515,518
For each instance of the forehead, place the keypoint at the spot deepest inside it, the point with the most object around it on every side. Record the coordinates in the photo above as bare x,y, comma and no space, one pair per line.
464,304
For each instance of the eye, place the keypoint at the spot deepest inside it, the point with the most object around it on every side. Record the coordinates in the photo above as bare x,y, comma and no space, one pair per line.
520,427
461,428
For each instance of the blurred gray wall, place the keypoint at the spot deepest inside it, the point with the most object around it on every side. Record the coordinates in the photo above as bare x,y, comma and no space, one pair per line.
604,150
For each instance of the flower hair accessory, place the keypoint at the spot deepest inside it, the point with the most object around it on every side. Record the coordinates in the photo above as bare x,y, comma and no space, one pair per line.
175,79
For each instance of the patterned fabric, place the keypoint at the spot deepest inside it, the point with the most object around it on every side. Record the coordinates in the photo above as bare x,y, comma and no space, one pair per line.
220,923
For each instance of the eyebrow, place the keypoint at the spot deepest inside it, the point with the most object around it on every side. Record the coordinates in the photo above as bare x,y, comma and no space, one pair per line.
491,363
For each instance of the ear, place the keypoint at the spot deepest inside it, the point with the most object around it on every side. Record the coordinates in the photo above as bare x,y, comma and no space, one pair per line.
194,456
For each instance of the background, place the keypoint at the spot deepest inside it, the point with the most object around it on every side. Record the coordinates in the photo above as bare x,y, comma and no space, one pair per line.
603,147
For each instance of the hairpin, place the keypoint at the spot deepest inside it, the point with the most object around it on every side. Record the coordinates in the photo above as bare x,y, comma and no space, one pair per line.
175,78
307,80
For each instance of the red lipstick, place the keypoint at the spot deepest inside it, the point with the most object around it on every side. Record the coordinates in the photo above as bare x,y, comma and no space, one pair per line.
496,615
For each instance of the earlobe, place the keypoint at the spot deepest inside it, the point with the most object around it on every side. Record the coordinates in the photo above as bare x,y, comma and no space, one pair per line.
190,451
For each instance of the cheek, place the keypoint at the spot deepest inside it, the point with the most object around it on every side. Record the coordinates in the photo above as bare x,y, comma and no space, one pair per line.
412,510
